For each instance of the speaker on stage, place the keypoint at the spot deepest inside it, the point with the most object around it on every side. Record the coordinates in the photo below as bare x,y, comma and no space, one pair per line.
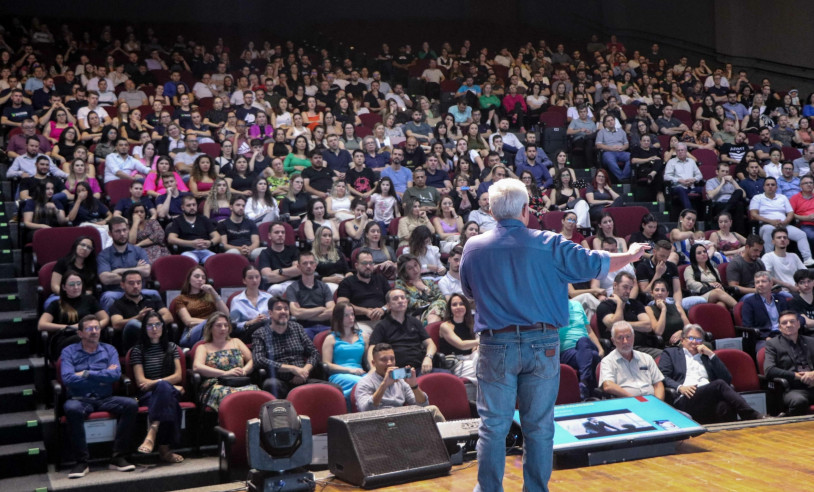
386,447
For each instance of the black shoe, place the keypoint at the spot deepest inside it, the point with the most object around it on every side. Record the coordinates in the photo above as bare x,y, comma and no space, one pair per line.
79,470
121,464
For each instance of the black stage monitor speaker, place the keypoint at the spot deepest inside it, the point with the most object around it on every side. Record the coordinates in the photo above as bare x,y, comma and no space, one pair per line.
386,447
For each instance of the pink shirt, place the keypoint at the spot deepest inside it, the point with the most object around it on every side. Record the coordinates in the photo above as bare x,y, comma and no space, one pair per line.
149,183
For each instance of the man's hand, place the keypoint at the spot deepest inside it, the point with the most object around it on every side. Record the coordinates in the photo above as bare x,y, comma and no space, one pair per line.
142,313
301,372
388,377
704,350
688,391
661,267
375,314
411,380
808,378
426,366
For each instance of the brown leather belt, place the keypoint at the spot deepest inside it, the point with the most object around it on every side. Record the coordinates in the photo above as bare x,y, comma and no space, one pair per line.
522,328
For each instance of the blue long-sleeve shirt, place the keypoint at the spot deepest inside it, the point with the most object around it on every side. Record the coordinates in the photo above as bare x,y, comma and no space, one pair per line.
520,276
539,170
100,378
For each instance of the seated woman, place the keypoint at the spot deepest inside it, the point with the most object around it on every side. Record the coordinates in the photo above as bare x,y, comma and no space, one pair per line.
297,160
261,206
331,264
82,260
566,197
337,204
295,203
666,318
317,217
448,224
277,179
427,254
71,306
224,362
89,211
197,302
413,217
344,348
698,138
703,280
726,242
146,233
458,337
41,211
608,229
249,309
463,195
539,203
202,177
684,236
600,195
383,256
471,229
355,228
157,372
79,173
425,299
650,233
216,206
569,229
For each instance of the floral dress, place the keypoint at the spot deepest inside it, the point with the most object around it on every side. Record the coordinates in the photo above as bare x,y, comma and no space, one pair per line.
152,230
212,392
429,302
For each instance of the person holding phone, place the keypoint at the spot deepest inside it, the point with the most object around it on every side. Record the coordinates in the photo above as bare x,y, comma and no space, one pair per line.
388,386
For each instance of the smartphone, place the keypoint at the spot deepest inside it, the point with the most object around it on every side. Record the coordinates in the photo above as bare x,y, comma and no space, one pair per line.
400,373
464,188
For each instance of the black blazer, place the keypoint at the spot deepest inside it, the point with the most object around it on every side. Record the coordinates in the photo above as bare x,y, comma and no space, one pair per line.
674,368
779,362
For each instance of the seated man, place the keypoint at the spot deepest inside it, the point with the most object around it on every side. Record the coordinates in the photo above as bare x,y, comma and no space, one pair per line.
378,389
683,176
761,310
582,133
411,343
136,196
580,349
366,292
657,267
451,282
740,272
284,350
118,258
619,306
121,165
317,179
311,300
239,235
802,301
669,125
772,210
781,264
89,370
702,381
278,262
627,372
170,204
193,234
726,195
127,312
614,145
791,357
531,160
482,217
427,196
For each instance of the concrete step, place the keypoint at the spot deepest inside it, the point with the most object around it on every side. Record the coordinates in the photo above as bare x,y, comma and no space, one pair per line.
25,458
18,427
14,348
20,372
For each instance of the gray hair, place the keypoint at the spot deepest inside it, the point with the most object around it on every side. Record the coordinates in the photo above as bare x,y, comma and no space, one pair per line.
507,198
762,273
619,326
691,327
681,145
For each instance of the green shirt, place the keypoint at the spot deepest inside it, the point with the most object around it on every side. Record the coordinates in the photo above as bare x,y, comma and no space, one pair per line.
292,160
577,326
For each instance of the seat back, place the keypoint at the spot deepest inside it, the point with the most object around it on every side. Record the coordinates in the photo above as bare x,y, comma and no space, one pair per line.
44,278
264,228
210,149
553,119
319,340
226,270
569,386
319,402
627,220
714,319
552,221
534,223
681,280
448,393
761,359
737,314
742,368
54,243
235,410
706,157
117,190
722,273
171,271
434,331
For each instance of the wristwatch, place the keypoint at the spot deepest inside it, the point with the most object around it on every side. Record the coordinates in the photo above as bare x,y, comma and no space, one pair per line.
414,387
280,272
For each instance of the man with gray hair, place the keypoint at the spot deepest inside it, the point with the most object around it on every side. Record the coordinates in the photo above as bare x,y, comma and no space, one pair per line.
627,372
702,381
683,176
522,300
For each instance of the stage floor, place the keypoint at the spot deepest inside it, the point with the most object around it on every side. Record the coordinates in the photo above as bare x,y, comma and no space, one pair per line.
764,458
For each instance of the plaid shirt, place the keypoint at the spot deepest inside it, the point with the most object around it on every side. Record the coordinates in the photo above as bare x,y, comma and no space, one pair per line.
271,350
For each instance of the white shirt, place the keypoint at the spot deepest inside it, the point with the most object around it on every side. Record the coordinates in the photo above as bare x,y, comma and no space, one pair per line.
772,170
115,163
771,208
607,282
696,372
82,114
450,285
484,220
508,139
783,267
202,90
686,169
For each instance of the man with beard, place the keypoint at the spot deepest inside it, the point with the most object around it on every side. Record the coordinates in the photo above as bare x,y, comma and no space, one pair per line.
120,257
127,313
365,291
240,236
191,233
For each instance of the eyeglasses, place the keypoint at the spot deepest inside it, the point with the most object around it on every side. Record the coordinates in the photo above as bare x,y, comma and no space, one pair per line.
365,263
155,326
85,246
73,284
695,339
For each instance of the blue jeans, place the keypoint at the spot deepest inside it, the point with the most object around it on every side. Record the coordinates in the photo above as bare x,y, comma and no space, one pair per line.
583,357
683,194
163,407
111,296
611,159
199,255
77,409
192,335
522,367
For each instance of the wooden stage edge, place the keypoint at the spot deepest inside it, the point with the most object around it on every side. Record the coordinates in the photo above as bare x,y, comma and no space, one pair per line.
760,458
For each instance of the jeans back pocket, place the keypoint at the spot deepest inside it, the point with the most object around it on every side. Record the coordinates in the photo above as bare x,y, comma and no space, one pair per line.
491,363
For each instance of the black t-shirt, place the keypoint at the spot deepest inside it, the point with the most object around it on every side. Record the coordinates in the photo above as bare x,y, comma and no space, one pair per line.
319,179
414,159
31,184
247,115
646,269
127,309
17,115
801,306
356,90
202,228
84,305
361,181
373,99
238,234
735,151
367,295
276,260
328,268
405,338
631,312
183,116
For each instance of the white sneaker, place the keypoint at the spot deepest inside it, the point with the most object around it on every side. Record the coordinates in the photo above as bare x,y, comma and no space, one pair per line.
809,262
